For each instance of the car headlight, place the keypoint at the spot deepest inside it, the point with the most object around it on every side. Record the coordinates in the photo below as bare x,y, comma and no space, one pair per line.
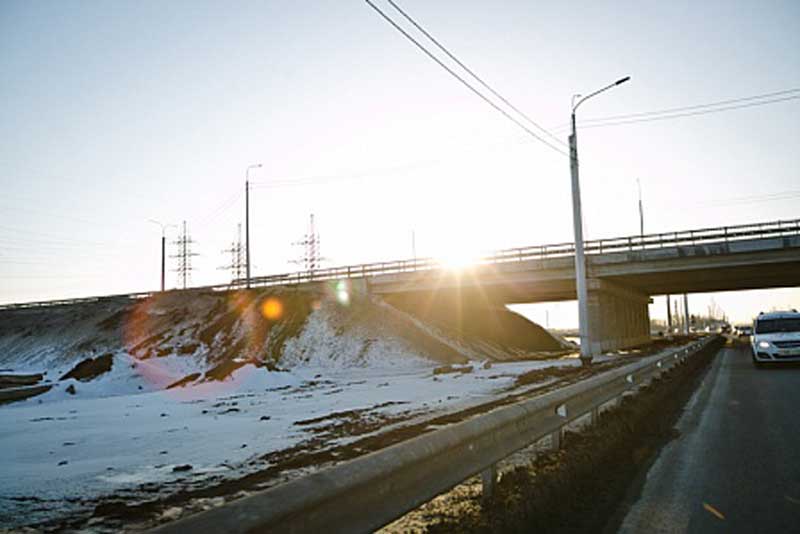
763,344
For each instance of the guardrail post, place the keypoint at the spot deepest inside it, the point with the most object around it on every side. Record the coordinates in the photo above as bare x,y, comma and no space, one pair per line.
595,416
555,440
489,481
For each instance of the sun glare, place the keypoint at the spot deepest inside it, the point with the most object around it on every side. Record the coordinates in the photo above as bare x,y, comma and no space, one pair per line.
458,259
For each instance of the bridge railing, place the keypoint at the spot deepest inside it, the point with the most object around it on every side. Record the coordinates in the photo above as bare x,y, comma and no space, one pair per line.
725,234
600,246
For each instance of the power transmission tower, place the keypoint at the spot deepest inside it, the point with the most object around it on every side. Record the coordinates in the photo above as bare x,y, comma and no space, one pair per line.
184,256
311,259
238,265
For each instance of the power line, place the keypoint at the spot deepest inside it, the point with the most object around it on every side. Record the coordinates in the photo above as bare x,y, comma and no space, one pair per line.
370,174
472,73
753,199
47,237
688,108
462,80
666,114
49,276
219,209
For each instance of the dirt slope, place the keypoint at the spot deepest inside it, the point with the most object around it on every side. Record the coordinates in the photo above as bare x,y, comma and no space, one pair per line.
179,338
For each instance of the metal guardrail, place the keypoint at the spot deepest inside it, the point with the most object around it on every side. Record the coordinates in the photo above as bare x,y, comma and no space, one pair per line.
364,494
725,234
63,302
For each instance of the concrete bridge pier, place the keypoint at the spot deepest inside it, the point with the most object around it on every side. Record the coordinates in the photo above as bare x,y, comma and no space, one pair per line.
618,316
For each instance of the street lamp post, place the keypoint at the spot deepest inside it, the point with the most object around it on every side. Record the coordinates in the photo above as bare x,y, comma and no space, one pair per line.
641,211
163,247
580,263
247,216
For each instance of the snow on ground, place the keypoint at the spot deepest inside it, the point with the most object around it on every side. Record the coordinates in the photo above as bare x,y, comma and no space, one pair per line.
322,377
83,448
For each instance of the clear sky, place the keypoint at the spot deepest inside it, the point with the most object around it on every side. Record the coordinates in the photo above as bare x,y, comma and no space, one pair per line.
113,113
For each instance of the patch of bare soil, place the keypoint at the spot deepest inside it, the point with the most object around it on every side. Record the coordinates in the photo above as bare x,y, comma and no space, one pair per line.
188,379
16,380
538,375
17,387
579,487
14,394
478,322
90,368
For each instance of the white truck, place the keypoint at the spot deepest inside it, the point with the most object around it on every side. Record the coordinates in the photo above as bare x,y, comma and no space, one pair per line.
776,337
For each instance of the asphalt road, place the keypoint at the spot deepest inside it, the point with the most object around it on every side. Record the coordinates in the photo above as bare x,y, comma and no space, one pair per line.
735,467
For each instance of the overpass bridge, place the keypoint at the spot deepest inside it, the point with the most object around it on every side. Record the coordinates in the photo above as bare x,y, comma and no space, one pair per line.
622,274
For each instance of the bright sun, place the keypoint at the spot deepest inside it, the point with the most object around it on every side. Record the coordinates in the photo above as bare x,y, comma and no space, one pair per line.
458,257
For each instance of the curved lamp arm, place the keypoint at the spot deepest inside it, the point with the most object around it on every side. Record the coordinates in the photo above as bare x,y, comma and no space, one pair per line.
590,95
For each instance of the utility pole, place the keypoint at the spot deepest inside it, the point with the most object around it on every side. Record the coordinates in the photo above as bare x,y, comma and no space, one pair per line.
686,314
184,256
669,317
414,245
641,211
580,262
163,259
247,215
163,247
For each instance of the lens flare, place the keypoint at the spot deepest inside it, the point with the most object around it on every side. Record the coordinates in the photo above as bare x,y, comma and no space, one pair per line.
342,293
343,297
272,309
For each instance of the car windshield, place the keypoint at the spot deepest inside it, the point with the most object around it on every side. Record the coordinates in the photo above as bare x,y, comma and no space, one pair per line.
770,326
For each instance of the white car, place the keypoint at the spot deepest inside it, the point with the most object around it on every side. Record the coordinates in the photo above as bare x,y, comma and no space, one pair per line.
776,337
744,330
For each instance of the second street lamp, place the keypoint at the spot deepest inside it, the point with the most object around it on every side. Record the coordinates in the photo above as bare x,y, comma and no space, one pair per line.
163,246
577,218
247,216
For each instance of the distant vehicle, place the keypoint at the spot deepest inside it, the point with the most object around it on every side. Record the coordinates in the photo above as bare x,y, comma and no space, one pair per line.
744,330
776,337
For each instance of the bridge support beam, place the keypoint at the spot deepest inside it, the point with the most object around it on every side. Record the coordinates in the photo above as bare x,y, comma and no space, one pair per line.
618,316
